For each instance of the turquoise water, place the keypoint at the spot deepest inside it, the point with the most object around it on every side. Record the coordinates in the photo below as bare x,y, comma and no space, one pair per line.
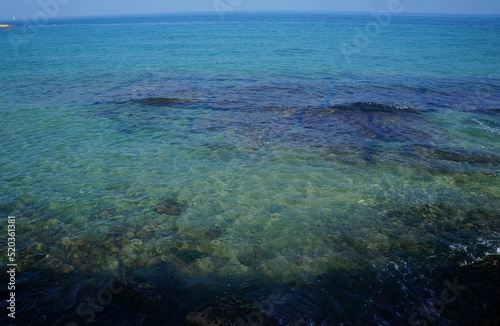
247,155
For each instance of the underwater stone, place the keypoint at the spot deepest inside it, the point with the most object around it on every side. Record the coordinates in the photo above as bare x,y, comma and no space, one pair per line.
31,247
229,314
77,241
466,156
458,155
106,212
154,261
375,107
22,206
344,124
205,264
163,101
189,255
476,291
171,207
136,243
65,269
138,295
39,256
214,232
172,259
118,186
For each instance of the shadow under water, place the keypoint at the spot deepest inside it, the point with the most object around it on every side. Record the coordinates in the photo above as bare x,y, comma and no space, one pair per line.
392,273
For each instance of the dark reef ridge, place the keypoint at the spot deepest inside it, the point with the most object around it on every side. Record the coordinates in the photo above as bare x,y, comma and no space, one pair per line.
479,300
375,107
229,313
164,101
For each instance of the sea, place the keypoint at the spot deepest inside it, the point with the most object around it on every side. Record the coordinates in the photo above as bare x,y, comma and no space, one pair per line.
320,168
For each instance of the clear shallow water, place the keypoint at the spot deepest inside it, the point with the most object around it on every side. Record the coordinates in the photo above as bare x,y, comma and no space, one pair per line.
248,155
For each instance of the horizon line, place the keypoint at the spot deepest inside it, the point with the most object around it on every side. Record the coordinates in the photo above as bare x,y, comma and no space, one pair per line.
258,12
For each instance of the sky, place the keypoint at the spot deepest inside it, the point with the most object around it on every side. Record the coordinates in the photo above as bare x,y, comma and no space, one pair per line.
78,8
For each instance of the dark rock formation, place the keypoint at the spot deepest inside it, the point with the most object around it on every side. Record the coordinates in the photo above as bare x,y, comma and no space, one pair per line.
375,107
138,295
458,155
479,302
170,206
366,120
163,101
229,314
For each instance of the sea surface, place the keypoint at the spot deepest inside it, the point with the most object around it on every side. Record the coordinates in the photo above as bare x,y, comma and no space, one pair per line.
324,168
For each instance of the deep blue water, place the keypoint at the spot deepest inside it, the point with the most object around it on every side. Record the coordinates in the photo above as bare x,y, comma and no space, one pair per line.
320,162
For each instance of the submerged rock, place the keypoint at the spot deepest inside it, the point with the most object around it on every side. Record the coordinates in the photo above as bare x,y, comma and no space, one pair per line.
428,230
189,255
106,212
375,107
171,207
362,121
464,156
118,186
478,300
23,206
39,256
215,232
164,101
138,295
182,258
30,247
229,314
65,269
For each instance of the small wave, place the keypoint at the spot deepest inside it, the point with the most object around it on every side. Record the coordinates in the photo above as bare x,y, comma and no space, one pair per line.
375,107
490,129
